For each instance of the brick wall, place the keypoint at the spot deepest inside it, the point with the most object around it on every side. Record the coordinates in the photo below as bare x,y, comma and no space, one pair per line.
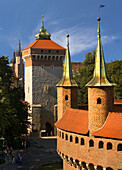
98,111
77,154
72,101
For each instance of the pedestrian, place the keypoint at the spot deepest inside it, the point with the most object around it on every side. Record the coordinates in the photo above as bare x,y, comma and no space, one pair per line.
20,159
13,158
7,149
11,150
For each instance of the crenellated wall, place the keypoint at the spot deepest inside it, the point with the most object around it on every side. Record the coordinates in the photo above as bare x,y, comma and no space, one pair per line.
88,152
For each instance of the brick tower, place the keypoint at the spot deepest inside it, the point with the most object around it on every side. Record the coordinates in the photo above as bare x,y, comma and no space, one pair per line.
67,88
43,69
100,90
17,66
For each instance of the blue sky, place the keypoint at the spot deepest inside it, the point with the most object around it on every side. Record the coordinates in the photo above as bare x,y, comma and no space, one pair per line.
23,17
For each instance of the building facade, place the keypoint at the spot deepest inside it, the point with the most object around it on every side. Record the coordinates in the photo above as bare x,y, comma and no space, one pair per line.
92,139
43,69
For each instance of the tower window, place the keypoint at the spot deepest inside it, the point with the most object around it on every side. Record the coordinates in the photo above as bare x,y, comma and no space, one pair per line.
100,144
52,66
66,137
119,148
66,97
62,135
49,51
109,146
91,143
42,51
82,141
76,140
70,138
57,51
98,101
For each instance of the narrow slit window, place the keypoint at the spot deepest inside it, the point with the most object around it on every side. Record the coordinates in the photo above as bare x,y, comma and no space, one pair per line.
98,101
66,97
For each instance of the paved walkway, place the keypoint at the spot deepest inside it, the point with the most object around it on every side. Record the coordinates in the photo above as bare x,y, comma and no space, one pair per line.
41,151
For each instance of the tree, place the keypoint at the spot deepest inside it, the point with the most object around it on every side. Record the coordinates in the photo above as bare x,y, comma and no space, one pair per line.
85,74
13,112
114,72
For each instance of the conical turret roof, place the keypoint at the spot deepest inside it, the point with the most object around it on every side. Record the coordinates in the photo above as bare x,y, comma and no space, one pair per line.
99,76
67,79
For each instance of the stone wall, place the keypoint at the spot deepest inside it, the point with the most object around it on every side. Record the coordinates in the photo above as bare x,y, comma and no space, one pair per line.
44,83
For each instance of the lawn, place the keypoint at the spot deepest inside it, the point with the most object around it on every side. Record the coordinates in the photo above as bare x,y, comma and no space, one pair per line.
55,166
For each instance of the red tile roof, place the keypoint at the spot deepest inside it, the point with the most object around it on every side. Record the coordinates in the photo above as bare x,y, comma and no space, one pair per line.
44,44
74,120
112,127
117,101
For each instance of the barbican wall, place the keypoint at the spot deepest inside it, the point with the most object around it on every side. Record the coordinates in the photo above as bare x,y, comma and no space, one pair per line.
80,151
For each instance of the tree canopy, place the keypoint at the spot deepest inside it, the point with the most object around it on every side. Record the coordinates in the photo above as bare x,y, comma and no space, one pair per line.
13,112
85,74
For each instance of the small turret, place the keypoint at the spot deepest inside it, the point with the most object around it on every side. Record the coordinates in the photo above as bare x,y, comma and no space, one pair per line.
67,88
67,79
100,90
99,76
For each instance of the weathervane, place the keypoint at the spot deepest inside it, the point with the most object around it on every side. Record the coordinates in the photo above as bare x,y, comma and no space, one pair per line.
100,6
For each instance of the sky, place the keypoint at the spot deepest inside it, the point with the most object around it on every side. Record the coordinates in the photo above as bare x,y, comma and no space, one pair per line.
22,18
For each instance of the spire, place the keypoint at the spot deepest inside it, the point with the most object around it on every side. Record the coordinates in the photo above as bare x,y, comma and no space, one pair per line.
43,34
99,76
42,21
67,79
18,52
19,47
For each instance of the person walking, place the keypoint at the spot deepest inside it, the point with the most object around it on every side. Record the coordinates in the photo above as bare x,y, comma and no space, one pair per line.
13,158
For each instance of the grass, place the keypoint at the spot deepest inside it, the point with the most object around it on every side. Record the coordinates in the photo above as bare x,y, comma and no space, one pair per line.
55,166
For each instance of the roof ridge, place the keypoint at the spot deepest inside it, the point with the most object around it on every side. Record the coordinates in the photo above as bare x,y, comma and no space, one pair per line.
34,43
115,113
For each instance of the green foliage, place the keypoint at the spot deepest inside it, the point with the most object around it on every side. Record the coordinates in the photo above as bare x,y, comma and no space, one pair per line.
13,112
114,73
85,74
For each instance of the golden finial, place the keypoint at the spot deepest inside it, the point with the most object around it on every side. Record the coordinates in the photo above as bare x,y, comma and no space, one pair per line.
42,16
67,35
98,19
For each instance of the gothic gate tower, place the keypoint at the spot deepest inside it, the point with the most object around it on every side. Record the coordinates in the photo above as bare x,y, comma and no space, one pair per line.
43,69
100,90
67,88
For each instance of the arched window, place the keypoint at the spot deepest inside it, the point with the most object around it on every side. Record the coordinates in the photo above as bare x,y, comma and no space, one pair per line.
62,135
98,101
101,144
91,167
82,141
119,147
76,140
109,169
66,97
99,168
66,136
70,138
59,134
91,143
109,146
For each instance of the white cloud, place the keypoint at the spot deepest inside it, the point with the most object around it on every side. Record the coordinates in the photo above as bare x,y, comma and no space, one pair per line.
81,39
